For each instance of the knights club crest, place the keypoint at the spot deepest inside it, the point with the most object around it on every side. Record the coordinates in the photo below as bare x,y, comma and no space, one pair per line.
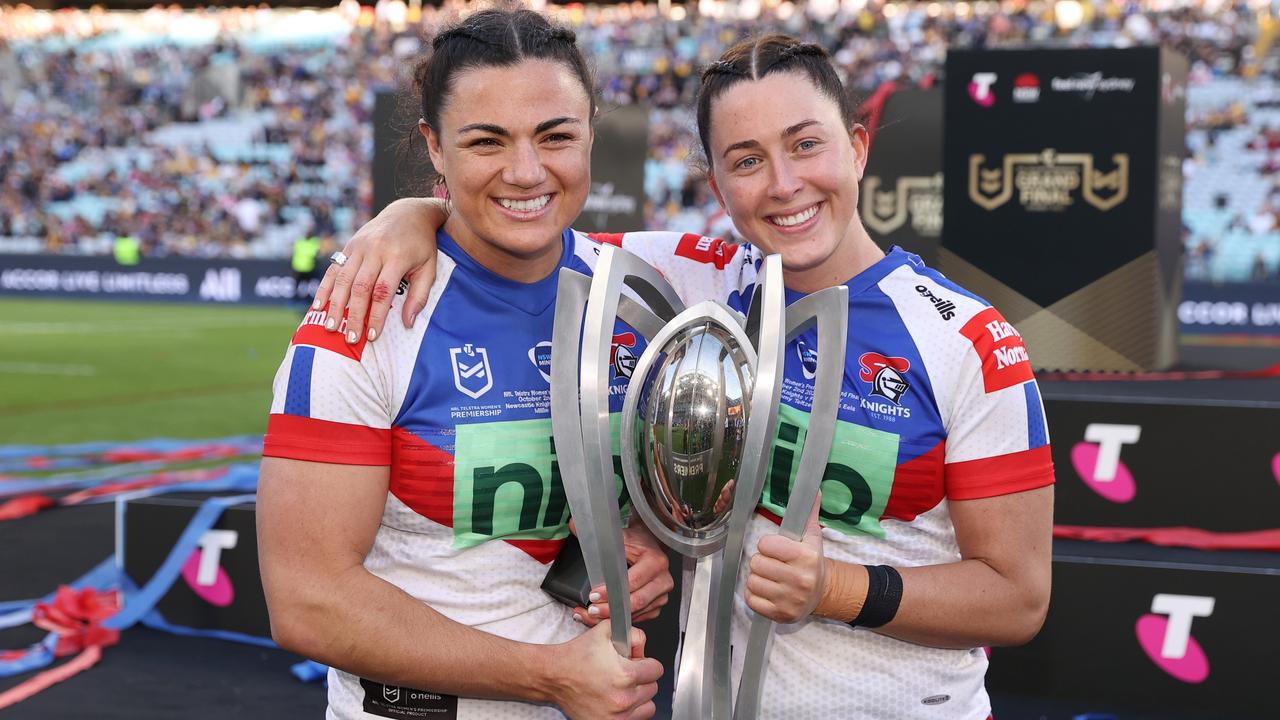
622,354
886,375
471,372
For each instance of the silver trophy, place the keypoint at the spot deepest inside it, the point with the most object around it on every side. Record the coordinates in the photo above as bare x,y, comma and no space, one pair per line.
698,422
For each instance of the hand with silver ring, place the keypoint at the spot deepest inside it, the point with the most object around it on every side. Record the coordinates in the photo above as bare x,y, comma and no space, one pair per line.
338,258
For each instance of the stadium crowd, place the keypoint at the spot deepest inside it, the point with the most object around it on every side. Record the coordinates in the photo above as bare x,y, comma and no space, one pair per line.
234,131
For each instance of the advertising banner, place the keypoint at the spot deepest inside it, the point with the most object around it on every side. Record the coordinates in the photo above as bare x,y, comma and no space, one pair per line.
1159,633
901,194
169,279
1202,464
1060,206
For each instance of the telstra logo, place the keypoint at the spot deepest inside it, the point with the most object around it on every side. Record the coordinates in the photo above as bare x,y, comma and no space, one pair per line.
980,89
1097,460
203,570
1165,635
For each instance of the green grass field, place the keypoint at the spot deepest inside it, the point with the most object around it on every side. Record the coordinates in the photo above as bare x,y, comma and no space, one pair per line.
79,371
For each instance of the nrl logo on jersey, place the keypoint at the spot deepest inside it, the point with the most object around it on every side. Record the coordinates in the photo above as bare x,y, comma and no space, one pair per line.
471,373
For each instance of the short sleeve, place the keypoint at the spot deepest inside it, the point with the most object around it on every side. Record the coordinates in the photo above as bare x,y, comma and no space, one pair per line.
698,267
997,437
329,404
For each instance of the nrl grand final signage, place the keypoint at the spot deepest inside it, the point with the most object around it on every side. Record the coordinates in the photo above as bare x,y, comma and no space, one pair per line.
1062,198
901,194
1048,181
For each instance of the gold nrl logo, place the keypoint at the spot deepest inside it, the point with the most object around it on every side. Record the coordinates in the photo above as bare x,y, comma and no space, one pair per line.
917,197
1046,180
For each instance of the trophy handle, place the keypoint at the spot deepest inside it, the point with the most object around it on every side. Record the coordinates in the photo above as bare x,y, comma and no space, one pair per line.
829,309
566,426
582,399
768,309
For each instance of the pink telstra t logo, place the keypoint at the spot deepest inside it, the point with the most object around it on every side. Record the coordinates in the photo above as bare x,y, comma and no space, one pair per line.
1275,467
1165,635
980,89
203,570
1097,460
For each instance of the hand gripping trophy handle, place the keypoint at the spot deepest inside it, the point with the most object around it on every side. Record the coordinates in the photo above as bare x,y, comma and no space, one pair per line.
829,309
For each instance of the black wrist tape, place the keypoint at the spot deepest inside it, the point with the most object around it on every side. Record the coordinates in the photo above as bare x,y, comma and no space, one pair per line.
884,594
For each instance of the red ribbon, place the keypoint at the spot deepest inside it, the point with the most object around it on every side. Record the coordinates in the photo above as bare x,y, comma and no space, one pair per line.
25,506
76,616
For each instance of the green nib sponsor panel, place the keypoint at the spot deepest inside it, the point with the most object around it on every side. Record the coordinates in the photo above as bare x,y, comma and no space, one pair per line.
507,482
857,480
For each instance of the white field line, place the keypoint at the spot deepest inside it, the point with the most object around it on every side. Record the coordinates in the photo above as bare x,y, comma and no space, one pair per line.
132,328
34,368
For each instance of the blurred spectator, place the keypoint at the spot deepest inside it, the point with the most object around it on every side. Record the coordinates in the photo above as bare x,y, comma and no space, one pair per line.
234,131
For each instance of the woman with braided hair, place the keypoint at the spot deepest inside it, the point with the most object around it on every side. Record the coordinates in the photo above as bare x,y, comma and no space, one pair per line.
932,536
410,503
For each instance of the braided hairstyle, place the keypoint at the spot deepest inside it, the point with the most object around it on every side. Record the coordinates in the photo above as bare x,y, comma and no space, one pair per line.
493,38
756,58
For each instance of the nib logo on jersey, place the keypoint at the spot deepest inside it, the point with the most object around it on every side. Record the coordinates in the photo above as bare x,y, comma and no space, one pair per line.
885,375
1097,460
540,356
1165,635
471,372
980,89
622,354
1026,88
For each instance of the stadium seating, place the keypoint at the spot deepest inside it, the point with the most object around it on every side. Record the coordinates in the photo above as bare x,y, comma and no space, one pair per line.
174,140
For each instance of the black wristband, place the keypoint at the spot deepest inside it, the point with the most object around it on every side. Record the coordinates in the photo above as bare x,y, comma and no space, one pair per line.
884,594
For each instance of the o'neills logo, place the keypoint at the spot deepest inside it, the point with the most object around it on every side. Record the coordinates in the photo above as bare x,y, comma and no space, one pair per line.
916,197
1048,181
945,308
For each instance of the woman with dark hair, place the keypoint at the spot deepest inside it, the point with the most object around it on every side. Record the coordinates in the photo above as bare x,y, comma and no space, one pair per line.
932,538
410,504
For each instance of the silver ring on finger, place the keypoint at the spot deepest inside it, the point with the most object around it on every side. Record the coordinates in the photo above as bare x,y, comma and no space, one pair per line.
339,258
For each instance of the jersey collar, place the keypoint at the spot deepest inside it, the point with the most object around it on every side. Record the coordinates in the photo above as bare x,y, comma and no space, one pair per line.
532,298
892,260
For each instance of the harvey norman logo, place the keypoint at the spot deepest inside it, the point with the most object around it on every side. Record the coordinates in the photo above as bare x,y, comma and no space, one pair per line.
1086,85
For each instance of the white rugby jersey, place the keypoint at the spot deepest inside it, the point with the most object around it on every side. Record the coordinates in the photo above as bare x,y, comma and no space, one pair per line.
938,404
459,408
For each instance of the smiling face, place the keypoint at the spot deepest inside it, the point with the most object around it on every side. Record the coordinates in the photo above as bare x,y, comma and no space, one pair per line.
514,146
786,169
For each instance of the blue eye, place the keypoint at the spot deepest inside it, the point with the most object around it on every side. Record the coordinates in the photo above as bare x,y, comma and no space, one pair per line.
807,144
748,163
